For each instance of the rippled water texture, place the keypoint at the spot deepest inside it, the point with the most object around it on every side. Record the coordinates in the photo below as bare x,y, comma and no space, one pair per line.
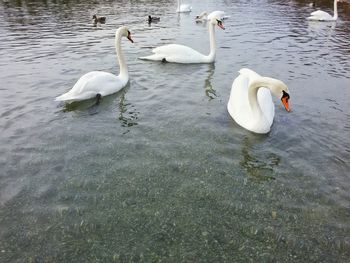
159,172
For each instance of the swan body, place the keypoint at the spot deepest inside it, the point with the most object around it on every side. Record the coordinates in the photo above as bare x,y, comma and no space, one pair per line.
320,15
182,54
183,8
202,17
98,82
250,103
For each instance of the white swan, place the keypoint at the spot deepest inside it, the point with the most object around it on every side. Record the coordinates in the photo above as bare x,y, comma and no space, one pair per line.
320,15
183,8
202,17
183,54
250,103
99,83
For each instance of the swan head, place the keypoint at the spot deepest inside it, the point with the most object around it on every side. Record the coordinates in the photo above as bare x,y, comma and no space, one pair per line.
285,99
217,21
124,31
280,90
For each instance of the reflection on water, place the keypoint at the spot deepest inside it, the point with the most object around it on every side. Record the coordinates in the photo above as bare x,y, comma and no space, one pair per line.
260,168
159,171
209,91
81,105
328,26
128,115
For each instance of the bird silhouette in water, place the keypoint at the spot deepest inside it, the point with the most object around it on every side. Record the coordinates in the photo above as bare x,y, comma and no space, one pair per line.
153,19
99,19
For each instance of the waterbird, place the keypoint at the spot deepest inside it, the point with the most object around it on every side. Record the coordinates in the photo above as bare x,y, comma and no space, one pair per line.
99,19
320,15
250,103
99,83
153,19
182,54
183,8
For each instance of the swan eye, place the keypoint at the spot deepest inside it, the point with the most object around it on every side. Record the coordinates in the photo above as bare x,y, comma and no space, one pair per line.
219,22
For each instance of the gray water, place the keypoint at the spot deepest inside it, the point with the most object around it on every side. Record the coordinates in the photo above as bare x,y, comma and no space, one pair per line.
159,172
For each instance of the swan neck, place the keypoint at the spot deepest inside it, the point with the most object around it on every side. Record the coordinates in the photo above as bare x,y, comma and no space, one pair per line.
178,4
254,86
122,65
253,98
212,53
335,9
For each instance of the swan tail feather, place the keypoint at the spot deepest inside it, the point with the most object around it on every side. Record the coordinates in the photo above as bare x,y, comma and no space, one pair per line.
154,57
69,97
64,97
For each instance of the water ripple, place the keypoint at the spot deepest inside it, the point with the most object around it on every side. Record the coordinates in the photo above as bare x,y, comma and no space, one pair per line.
161,163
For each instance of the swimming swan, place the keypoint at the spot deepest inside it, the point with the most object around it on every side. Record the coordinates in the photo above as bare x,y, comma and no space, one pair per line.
99,83
320,15
250,103
183,8
183,54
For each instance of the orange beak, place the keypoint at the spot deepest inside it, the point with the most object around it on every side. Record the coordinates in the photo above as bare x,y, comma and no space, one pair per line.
285,103
285,99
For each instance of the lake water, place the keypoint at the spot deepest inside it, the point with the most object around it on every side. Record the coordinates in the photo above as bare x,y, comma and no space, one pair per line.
159,172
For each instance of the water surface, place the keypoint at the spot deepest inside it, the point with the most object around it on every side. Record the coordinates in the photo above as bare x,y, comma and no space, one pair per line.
159,172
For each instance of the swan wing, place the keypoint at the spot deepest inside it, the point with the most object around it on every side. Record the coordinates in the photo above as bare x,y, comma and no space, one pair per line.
91,84
239,107
176,53
185,8
250,74
320,15
238,104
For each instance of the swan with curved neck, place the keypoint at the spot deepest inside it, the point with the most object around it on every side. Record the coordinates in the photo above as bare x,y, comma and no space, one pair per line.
183,8
100,83
182,54
250,103
320,15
